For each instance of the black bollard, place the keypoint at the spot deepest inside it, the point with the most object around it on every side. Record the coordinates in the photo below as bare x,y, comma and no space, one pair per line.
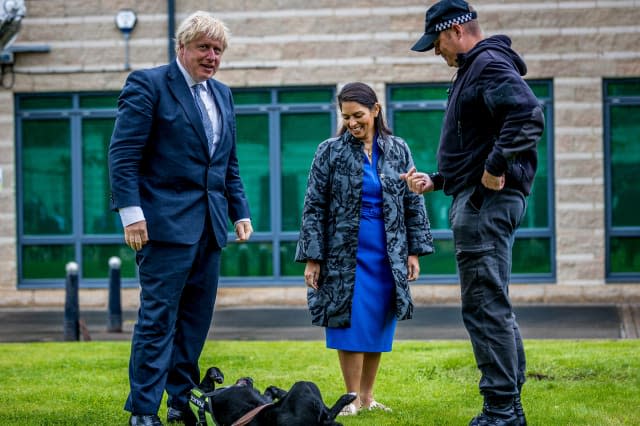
114,324
71,305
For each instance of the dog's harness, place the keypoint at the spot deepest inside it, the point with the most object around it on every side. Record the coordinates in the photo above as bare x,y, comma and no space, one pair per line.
200,404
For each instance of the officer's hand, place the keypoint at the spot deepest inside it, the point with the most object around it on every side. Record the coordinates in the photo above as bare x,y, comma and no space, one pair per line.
495,183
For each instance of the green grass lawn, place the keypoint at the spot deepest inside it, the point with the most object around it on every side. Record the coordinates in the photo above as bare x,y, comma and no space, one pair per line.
426,383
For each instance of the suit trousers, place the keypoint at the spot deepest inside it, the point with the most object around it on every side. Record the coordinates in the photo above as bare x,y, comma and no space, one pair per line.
177,297
484,223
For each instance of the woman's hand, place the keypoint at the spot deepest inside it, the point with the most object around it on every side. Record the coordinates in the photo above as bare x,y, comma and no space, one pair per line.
413,267
311,274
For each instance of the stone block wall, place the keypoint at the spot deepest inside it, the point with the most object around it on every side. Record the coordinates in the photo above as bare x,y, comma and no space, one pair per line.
295,42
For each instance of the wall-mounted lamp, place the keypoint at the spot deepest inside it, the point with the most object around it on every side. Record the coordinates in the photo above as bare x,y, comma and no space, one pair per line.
126,21
11,14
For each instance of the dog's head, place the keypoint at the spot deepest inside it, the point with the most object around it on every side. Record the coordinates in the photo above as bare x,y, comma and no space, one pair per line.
303,406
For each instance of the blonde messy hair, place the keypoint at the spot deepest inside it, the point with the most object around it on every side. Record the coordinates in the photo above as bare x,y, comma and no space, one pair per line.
201,23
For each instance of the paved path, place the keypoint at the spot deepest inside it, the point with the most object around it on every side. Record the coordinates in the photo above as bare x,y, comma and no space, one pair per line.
432,322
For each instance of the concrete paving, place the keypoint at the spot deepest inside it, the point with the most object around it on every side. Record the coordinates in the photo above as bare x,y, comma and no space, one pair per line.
429,323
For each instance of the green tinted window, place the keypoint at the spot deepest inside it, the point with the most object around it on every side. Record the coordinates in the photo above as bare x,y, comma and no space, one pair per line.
301,134
64,171
53,150
423,141
624,255
625,164
442,261
98,218
253,156
95,260
273,139
622,157
624,88
531,256
45,102
99,101
541,90
421,130
537,214
247,260
46,177
251,97
46,261
419,93
288,266
324,96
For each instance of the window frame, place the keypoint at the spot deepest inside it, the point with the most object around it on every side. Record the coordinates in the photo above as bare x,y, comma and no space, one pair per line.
75,114
611,231
277,236
541,232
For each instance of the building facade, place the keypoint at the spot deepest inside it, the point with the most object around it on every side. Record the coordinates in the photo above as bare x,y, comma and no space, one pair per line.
579,242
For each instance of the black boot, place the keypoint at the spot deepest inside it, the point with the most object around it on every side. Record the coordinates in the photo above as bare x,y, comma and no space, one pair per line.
496,412
517,408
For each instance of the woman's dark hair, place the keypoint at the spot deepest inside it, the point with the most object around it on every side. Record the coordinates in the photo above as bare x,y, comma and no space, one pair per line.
364,95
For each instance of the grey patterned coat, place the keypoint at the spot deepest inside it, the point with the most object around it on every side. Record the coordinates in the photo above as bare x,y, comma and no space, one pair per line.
331,220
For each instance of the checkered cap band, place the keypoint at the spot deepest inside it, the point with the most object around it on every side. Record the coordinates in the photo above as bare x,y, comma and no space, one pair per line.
458,20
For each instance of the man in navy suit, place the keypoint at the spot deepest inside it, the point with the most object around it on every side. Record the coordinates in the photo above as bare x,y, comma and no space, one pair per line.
175,182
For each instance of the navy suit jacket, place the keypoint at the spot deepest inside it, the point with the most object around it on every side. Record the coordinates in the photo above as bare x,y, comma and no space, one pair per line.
159,158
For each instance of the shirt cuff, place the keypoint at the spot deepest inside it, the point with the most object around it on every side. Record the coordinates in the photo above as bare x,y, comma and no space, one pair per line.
131,214
244,219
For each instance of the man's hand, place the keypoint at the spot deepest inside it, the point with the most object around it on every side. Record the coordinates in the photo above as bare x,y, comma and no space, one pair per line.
243,230
135,235
311,274
495,183
417,182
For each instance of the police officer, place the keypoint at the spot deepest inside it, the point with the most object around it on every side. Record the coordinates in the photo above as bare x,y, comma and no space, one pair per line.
487,161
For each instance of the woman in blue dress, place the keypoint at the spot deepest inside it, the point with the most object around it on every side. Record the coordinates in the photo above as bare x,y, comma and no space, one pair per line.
362,232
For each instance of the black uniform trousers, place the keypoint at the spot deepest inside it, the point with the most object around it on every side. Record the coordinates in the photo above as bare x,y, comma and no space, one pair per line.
484,224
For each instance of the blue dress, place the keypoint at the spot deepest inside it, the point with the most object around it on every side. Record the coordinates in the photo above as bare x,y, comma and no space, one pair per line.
373,321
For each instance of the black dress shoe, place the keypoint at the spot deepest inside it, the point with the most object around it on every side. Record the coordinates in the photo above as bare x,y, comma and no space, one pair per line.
183,416
484,419
144,420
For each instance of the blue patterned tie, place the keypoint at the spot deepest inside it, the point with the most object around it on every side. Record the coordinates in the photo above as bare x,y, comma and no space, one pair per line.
206,120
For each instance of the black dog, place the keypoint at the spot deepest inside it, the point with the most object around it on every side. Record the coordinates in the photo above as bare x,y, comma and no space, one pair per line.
242,404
